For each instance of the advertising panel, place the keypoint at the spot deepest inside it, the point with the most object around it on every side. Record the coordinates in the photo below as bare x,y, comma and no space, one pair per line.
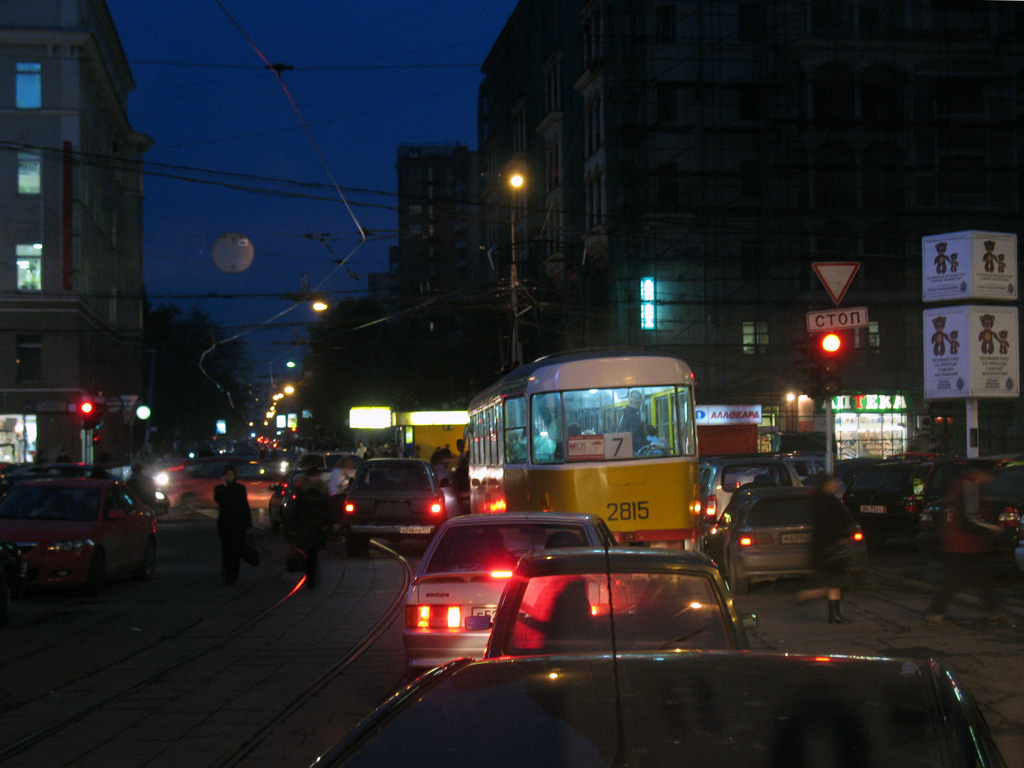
971,351
969,265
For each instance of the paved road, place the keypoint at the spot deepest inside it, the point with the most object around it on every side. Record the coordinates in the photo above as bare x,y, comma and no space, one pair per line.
83,642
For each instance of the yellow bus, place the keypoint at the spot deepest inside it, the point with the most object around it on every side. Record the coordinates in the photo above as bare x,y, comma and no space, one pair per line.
609,432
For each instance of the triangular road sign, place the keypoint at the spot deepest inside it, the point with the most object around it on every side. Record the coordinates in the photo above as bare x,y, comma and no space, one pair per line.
836,276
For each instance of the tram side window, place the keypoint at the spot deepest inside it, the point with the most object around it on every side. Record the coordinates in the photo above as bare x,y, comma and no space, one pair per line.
492,435
546,420
515,430
687,422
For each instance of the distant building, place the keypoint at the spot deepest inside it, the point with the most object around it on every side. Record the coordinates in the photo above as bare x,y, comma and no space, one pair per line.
688,160
71,290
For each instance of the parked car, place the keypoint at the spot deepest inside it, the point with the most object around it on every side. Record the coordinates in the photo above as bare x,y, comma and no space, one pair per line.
12,578
660,599
392,498
24,472
808,465
189,484
1004,500
721,476
847,469
886,499
79,531
765,534
654,710
465,568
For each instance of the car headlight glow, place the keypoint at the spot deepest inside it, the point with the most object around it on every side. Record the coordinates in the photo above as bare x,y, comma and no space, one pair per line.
160,478
69,545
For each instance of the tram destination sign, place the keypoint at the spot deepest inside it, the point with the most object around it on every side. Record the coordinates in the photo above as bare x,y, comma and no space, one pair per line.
836,319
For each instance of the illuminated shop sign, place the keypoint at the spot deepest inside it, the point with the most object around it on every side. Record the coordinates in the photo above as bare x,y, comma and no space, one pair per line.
728,414
869,403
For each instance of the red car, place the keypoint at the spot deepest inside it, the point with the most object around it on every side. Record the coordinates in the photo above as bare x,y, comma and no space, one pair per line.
189,484
79,531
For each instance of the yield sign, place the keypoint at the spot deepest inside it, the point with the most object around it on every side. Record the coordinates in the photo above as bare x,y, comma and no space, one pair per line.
836,276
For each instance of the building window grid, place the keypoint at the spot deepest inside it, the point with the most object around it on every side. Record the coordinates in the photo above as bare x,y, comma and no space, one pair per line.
553,86
30,173
29,264
29,360
519,129
648,316
755,336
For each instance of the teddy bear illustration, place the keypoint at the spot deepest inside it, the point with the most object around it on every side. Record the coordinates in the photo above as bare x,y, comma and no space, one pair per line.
1004,342
987,336
989,257
1001,263
939,338
954,342
953,263
941,259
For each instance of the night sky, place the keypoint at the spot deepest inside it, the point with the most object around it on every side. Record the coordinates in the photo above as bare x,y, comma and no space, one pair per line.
232,154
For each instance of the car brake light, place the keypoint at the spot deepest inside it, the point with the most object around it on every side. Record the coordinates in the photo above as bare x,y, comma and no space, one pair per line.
913,506
858,536
433,616
350,507
711,508
498,505
745,541
437,507
749,540
501,574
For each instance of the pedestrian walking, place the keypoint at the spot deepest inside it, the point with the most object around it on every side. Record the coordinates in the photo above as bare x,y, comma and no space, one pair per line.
833,525
309,521
967,543
234,523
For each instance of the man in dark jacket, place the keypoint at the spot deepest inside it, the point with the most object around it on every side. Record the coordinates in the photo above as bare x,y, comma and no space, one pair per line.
833,525
234,521
310,520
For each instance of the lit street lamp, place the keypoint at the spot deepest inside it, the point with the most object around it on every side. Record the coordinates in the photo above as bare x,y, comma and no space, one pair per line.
516,181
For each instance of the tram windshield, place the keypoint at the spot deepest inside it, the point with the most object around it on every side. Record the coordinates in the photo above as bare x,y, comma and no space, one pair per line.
612,424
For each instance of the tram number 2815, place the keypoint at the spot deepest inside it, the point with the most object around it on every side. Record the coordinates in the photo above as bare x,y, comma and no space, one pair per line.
628,510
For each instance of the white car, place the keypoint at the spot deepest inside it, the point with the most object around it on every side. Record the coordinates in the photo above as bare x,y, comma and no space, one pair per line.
464,570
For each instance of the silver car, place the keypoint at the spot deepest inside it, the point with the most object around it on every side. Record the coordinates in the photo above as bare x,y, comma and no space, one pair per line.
765,534
464,570
721,476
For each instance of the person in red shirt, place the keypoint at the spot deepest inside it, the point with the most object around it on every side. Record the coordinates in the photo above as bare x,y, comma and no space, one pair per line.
967,542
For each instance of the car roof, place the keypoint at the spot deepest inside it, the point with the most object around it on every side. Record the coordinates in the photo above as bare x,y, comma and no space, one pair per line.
775,492
595,560
513,518
68,482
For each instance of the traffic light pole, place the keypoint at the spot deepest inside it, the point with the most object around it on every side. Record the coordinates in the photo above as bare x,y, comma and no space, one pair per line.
830,436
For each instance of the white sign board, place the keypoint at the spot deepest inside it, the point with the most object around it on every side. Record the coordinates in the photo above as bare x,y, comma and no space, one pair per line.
969,265
971,351
835,319
728,414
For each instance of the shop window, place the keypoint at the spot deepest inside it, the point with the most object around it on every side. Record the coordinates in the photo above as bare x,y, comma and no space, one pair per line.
28,85
29,263
29,363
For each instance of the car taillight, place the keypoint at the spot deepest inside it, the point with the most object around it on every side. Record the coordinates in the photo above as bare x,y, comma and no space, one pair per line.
501,574
912,505
350,507
433,616
751,539
498,505
1009,517
711,508
437,507
858,536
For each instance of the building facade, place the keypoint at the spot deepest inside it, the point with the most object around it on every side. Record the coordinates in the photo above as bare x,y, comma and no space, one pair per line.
71,289
690,160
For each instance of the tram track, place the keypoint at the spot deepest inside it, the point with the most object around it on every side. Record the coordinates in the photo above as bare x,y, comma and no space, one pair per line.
265,637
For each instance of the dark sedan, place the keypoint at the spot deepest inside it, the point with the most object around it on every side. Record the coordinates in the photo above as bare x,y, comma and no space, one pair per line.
765,534
714,708
394,499
886,499
583,600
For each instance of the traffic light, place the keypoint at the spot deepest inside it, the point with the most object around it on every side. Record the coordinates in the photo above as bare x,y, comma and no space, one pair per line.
810,364
832,351
91,412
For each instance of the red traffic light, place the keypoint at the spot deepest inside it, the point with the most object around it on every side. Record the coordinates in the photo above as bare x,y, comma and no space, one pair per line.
86,408
831,343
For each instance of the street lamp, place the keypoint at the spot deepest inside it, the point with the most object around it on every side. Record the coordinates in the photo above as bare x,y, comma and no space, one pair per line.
517,182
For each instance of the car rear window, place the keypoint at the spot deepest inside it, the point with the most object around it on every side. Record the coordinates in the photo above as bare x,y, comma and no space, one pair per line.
1007,482
51,502
894,480
394,477
767,475
571,613
773,512
485,547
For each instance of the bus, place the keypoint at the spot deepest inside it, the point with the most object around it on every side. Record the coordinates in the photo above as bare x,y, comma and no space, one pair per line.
610,432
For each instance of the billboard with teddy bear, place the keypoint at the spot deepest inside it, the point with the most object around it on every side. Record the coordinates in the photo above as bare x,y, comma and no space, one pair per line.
971,351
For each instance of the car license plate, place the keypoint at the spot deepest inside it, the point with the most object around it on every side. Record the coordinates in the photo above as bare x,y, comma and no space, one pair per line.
794,538
410,529
483,610
872,509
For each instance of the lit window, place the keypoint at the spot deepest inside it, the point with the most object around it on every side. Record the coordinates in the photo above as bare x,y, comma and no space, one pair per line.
29,261
28,85
755,335
30,166
647,318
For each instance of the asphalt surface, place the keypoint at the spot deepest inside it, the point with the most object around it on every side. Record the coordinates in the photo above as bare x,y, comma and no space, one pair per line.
888,617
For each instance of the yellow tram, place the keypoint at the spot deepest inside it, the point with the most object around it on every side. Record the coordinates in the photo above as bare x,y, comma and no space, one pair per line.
610,432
